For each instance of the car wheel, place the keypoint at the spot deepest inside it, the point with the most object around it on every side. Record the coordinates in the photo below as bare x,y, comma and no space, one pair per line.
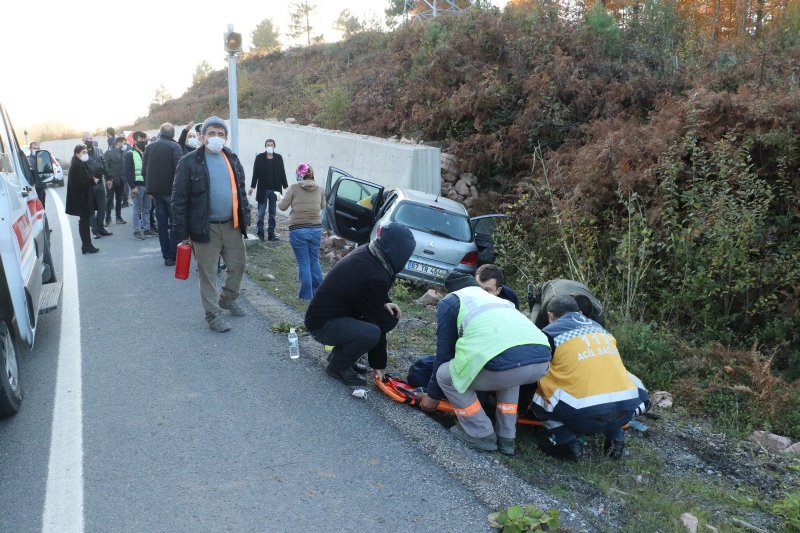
10,386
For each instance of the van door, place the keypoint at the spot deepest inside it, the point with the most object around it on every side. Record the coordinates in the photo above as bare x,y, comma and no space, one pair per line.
20,224
352,205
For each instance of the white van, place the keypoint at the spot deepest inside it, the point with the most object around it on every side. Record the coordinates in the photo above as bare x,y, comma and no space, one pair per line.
28,285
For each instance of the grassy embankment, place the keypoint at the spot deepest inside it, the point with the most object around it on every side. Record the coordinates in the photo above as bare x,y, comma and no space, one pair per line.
668,470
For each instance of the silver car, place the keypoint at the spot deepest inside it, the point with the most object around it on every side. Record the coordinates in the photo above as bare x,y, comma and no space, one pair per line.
357,209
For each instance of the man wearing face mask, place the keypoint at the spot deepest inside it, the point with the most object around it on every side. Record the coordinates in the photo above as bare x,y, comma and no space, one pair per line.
190,138
38,185
133,171
160,161
209,206
114,186
269,178
99,170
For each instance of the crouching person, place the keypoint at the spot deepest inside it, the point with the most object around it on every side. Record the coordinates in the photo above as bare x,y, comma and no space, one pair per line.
483,344
588,390
351,309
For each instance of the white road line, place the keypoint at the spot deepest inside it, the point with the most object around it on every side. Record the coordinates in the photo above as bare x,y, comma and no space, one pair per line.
63,505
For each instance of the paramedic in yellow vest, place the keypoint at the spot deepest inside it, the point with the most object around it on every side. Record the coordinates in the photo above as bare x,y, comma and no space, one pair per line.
588,390
133,172
483,344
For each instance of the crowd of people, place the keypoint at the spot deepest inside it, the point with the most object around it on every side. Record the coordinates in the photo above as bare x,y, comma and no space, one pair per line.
561,364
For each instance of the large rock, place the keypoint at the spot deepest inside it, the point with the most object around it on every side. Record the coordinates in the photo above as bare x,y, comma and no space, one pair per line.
661,398
338,242
447,162
291,120
690,521
450,177
468,178
330,256
771,442
429,298
473,191
462,188
794,448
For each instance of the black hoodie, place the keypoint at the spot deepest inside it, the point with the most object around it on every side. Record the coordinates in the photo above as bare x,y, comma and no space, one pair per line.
358,285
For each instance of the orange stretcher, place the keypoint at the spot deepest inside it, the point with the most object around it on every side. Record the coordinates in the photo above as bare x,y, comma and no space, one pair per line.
398,390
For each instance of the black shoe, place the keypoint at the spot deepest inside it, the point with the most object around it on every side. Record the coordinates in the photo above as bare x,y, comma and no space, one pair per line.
107,223
91,250
348,377
614,448
120,221
571,451
169,262
272,237
96,235
261,237
360,369
104,233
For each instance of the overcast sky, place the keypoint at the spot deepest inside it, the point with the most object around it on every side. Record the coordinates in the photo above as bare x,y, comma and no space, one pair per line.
89,65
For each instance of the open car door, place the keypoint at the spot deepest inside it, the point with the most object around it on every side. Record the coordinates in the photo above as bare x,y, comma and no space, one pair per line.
351,205
483,230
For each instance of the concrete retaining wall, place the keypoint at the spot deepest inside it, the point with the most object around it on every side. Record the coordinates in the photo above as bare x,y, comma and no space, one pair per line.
390,163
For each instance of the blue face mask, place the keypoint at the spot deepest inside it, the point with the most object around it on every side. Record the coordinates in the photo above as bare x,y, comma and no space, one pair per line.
215,144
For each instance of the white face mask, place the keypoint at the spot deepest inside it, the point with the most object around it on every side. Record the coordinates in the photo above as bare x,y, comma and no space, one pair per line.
84,157
192,142
270,149
215,144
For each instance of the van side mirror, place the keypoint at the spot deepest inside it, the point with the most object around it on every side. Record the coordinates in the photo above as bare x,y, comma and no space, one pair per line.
44,163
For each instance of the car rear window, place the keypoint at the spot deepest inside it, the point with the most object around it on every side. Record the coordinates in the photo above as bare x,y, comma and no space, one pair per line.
433,220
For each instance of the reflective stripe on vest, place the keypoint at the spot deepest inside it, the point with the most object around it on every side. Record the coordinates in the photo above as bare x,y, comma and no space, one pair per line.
137,166
487,326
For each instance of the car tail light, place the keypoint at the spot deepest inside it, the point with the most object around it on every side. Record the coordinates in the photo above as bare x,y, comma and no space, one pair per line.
378,231
471,259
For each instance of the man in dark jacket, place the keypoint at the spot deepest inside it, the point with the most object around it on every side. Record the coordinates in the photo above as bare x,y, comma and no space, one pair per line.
351,310
99,170
114,186
160,161
490,278
37,180
269,178
209,206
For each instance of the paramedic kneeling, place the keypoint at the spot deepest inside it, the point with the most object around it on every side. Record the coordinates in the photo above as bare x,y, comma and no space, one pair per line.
483,344
588,389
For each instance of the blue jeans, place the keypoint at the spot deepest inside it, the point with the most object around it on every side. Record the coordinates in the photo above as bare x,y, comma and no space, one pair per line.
270,199
305,244
563,430
141,209
164,219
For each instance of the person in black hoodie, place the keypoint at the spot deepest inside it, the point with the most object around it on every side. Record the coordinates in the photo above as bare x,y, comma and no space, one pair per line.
269,178
351,309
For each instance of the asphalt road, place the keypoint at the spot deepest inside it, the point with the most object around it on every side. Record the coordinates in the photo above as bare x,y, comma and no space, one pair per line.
164,425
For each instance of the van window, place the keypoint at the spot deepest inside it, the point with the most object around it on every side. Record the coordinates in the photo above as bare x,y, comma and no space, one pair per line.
6,159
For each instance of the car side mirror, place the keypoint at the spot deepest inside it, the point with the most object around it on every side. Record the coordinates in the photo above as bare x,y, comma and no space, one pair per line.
44,163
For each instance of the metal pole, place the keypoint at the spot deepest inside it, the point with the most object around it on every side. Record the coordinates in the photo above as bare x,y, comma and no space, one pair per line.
233,99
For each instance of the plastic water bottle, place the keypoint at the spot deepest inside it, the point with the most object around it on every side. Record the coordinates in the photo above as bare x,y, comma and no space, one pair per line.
294,344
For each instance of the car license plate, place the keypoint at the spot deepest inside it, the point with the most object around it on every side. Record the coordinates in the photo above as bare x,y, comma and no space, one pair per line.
428,270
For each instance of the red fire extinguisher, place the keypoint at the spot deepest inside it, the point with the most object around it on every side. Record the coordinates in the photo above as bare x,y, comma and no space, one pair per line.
183,259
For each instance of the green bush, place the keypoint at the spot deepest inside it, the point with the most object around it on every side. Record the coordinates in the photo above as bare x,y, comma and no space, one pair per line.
519,518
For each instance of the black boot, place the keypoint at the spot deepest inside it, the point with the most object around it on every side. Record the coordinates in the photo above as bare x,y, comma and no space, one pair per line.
347,376
614,448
